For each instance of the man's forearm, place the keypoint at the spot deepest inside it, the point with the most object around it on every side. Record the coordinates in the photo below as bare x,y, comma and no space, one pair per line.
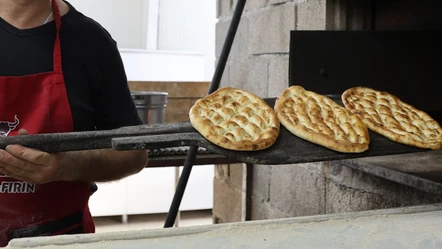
103,165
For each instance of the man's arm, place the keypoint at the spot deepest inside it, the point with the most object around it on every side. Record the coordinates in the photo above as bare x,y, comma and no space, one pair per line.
102,165
39,167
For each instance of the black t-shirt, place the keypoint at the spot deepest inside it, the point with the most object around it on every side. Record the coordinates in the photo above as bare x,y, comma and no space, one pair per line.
96,82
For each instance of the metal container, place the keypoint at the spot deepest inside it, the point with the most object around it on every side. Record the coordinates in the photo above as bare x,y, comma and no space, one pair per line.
151,106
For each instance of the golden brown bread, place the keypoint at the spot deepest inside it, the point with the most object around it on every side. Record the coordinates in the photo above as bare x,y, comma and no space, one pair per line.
320,120
235,119
386,114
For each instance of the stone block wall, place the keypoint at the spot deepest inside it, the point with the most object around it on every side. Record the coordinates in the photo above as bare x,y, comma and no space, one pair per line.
258,62
229,193
282,191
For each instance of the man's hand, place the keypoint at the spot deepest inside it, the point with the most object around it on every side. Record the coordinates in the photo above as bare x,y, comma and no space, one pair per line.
38,167
31,165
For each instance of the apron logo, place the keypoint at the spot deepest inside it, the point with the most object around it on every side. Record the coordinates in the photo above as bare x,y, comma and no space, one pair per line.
6,127
16,187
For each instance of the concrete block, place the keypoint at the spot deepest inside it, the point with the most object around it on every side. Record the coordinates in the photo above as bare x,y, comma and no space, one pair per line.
298,190
239,46
223,7
345,199
337,15
278,74
354,179
236,173
255,4
311,15
225,77
263,210
251,74
269,29
227,202
238,76
218,220
261,182
425,164
352,190
234,3
274,2
222,172
220,36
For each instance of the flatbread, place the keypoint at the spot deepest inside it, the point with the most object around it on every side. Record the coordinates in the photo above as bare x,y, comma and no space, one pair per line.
387,115
235,119
320,120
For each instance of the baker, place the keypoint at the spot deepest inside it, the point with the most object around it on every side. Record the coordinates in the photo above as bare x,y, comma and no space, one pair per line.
60,71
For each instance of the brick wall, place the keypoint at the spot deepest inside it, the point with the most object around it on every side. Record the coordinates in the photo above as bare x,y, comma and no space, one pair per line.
258,62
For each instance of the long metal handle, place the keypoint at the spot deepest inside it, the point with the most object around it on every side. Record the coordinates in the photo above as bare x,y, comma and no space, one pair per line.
87,140
191,156
157,141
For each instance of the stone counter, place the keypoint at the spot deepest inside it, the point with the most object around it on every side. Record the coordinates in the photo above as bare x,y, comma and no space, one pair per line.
416,227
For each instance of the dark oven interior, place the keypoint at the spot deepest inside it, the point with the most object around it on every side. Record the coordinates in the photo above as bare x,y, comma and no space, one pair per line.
390,45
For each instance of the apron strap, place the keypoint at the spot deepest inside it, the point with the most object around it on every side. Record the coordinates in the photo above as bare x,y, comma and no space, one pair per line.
58,68
71,224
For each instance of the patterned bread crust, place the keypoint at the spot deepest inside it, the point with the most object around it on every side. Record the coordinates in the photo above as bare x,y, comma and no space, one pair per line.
235,119
320,120
387,115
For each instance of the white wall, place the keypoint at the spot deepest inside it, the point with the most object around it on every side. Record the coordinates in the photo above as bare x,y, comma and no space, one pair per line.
184,48
182,30
124,19
163,66
209,27
189,25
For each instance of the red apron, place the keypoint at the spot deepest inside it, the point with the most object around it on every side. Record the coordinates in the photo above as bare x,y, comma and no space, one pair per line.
39,104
